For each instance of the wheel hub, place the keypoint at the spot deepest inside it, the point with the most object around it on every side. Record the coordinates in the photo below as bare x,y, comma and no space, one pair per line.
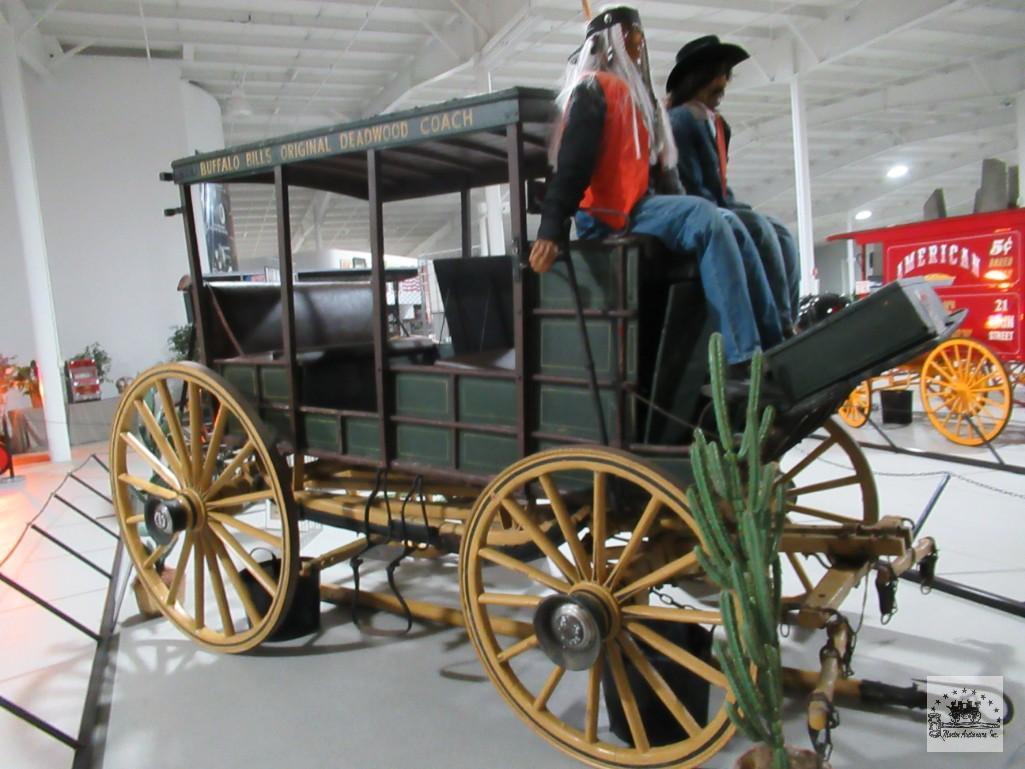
572,628
165,518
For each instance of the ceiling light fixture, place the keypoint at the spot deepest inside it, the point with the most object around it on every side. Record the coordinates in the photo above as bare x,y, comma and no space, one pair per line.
863,214
238,105
897,171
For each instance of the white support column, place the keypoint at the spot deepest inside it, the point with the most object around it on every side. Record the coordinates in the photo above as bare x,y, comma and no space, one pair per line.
1020,134
492,194
850,273
33,241
802,184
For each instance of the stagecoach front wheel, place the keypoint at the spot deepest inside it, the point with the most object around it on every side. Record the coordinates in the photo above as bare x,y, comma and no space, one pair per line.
856,409
203,511
595,666
966,392
832,483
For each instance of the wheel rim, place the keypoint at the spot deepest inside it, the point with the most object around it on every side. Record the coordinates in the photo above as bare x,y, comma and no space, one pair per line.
564,706
197,489
858,406
818,491
966,392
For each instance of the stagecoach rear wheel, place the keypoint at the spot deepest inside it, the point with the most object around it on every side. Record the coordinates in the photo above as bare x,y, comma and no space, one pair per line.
202,505
966,392
856,409
827,488
585,625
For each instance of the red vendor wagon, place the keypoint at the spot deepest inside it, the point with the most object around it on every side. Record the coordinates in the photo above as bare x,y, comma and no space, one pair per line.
966,383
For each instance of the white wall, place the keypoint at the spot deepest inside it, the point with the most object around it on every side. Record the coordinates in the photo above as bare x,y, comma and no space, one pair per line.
103,129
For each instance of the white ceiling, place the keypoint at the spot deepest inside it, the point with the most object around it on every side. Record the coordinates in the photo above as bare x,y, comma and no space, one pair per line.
927,83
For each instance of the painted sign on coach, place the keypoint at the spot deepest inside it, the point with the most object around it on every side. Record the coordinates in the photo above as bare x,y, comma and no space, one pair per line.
356,139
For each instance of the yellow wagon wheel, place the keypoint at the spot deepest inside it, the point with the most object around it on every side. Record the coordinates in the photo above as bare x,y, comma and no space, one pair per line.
585,625
201,505
966,392
856,409
827,488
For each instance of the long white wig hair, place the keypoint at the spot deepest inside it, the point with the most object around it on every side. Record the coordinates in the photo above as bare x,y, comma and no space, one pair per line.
604,50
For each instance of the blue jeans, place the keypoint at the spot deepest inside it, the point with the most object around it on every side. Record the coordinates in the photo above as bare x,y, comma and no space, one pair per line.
791,262
780,269
739,307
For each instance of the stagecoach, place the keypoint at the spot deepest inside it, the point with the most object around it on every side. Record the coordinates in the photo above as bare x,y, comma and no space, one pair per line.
967,383
545,447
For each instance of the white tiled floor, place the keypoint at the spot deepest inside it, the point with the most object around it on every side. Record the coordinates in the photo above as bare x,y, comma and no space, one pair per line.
346,699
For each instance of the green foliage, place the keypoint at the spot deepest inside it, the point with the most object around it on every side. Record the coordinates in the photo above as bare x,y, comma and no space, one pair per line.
100,358
738,506
180,341
24,378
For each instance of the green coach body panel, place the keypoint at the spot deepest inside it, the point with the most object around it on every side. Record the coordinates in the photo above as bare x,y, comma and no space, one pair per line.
322,432
597,275
244,378
562,354
486,454
487,401
569,410
362,437
274,380
423,395
426,445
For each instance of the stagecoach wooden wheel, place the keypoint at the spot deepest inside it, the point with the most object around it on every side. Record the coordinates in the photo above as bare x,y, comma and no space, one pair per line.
966,392
826,488
856,409
586,622
202,508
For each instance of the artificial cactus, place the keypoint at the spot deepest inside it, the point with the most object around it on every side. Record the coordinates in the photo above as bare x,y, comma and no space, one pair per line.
737,503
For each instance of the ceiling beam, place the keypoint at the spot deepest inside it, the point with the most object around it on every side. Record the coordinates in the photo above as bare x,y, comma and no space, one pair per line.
35,49
845,31
1005,72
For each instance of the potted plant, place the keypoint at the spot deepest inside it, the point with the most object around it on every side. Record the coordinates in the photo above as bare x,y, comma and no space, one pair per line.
26,379
739,508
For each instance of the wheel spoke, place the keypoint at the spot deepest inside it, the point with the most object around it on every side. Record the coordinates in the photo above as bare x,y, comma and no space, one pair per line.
593,701
157,434
659,686
569,532
599,527
159,552
500,558
227,624
175,426
523,645
539,538
671,614
150,488
823,514
236,580
150,458
541,701
213,447
240,499
255,568
657,577
195,429
677,654
626,698
198,583
247,528
229,472
835,483
812,455
802,574
636,536
509,599
134,520
179,570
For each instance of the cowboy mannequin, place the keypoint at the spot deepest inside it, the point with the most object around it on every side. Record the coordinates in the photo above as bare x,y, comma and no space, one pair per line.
696,87
613,132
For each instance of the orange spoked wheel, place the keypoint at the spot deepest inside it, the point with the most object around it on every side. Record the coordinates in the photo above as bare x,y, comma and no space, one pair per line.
582,621
203,511
858,406
966,392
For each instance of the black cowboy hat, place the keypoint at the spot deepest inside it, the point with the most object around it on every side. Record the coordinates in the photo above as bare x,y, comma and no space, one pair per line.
701,51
